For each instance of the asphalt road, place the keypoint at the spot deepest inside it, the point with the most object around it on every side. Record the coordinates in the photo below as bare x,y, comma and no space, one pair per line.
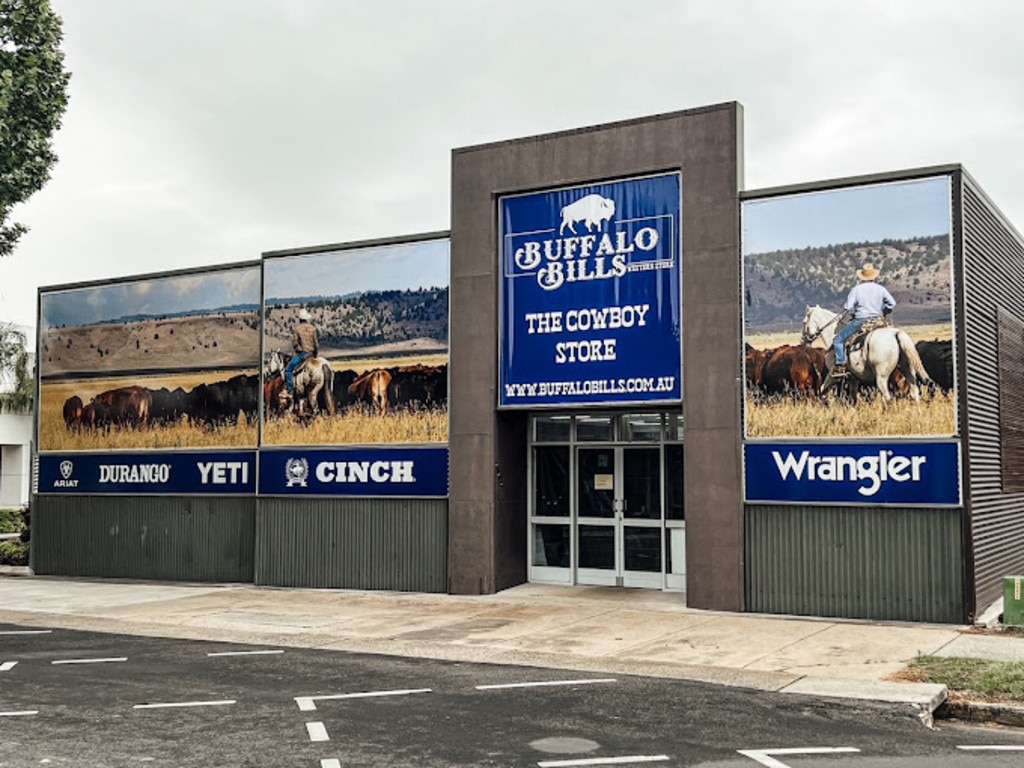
95,700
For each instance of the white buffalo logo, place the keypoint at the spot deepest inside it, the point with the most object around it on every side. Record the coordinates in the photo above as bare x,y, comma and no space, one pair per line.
296,472
66,468
592,210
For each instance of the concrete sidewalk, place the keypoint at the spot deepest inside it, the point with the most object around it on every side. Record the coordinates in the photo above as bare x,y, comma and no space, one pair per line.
589,629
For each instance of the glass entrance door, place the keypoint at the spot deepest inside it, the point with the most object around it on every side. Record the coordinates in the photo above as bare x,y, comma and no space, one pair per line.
619,516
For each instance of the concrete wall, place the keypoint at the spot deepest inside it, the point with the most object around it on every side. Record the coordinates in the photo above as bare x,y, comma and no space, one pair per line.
15,459
487,506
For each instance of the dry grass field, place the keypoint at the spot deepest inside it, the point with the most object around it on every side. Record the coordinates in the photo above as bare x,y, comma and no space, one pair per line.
361,363
55,436
360,426
783,416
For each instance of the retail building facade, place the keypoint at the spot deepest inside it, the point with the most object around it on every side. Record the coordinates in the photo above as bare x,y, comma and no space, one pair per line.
572,385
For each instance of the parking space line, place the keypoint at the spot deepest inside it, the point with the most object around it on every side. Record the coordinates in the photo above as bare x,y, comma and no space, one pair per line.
308,703
627,760
90,661
764,756
169,705
244,653
331,762
317,731
992,747
22,713
25,631
7,666
545,683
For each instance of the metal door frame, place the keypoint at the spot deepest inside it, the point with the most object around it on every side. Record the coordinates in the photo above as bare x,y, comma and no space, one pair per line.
669,528
618,576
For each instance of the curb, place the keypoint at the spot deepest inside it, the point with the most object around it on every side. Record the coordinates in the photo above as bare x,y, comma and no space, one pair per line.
982,712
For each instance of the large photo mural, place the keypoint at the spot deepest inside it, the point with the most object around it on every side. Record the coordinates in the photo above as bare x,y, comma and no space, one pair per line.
870,265
356,346
160,363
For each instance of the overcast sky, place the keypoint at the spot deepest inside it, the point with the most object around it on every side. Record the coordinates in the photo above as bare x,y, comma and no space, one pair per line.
208,131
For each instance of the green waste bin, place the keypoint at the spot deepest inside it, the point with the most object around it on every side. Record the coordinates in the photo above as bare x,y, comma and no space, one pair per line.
1013,601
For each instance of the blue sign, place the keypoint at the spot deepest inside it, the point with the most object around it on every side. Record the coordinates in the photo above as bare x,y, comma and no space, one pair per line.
222,472
900,473
354,472
591,295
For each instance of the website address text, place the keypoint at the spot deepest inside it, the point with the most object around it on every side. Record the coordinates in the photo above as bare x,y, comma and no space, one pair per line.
590,387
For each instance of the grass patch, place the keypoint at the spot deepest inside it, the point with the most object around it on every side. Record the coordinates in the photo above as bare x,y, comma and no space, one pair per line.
978,679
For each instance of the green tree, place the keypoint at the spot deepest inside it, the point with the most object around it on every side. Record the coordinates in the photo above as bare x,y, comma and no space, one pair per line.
33,97
17,384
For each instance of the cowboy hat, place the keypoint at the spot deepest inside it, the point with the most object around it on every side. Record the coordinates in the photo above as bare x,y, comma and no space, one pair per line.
304,314
869,272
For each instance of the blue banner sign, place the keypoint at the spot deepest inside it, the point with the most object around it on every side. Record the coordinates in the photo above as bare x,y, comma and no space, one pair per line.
903,473
222,472
354,472
591,295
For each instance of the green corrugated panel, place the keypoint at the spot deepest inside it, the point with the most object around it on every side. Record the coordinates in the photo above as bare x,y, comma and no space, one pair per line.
391,544
1013,600
171,538
856,562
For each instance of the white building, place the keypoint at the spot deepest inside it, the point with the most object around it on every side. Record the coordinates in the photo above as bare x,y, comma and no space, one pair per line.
15,446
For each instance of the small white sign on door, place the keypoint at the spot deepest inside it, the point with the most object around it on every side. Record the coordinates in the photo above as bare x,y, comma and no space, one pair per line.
604,482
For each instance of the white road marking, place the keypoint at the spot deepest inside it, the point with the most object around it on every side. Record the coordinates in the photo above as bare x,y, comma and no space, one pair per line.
89,661
317,732
544,683
628,760
185,704
763,756
7,665
243,653
25,631
308,703
993,747
330,763
20,714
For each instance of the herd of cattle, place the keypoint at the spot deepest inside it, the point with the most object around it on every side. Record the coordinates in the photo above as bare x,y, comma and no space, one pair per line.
381,389
800,370
222,403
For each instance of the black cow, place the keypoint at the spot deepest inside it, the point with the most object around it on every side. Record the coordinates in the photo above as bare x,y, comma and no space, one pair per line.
168,405
937,357
221,402
342,381
422,386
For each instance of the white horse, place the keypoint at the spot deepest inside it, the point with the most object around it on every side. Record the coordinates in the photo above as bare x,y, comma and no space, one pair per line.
883,351
313,374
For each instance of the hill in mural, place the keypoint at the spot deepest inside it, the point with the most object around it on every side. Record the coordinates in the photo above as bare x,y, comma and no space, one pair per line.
410,318
781,284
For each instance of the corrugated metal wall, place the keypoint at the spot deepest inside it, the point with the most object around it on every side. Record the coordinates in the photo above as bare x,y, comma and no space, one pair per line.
144,537
855,562
394,544
993,279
